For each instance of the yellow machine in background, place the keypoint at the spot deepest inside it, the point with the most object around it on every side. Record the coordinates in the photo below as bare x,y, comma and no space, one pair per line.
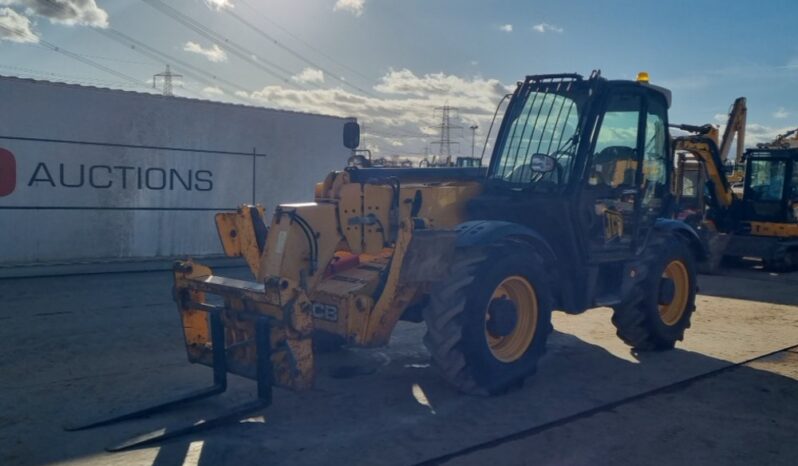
705,197
788,140
761,221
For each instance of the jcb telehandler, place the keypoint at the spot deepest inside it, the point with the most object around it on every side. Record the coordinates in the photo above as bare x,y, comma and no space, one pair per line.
482,256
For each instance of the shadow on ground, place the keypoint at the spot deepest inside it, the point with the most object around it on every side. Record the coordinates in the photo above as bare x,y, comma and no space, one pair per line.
376,419
752,284
105,344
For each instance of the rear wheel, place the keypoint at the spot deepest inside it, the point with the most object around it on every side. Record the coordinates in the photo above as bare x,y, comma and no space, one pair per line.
488,322
659,309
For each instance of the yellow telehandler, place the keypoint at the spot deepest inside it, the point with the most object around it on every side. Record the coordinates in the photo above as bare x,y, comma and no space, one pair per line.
482,256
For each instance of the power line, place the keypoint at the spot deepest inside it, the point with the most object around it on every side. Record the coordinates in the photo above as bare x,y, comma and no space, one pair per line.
190,70
295,53
86,59
79,58
225,43
117,60
20,71
306,44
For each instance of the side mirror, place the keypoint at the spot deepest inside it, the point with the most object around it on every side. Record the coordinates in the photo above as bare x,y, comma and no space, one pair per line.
351,135
543,163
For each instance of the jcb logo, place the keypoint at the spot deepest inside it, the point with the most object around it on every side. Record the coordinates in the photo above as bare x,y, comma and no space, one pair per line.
8,173
325,312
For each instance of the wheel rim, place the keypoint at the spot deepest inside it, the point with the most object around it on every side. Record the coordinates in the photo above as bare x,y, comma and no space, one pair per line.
513,345
672,312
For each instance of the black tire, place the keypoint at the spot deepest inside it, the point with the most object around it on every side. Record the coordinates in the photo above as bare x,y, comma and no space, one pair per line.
456,318
638,321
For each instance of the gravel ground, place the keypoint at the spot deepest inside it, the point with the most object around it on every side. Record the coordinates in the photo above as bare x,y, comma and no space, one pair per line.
81,346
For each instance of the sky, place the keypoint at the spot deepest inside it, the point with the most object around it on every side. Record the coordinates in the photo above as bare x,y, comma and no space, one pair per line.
393,63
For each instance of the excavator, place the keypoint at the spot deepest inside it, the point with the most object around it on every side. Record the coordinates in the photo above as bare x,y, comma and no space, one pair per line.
703,189
768,225
762,221
481,255
788,140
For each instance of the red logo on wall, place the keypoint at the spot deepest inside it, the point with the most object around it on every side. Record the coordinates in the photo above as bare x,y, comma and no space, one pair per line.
8,173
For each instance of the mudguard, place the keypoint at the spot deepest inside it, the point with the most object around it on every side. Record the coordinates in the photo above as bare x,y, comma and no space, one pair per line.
687,233
483,232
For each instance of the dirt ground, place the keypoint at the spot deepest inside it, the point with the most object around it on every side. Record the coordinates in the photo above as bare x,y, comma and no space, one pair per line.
78,347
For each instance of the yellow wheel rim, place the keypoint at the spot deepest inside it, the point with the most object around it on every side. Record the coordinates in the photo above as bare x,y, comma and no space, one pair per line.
672,312
511,347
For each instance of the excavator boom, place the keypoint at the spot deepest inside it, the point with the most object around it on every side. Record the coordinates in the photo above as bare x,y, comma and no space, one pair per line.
735,125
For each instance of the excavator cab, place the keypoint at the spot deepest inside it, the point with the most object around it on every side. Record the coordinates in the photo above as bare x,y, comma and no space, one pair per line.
691,193
767,226
771,185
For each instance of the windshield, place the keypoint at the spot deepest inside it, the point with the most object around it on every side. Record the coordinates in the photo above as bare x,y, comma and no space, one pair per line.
766,180
546,123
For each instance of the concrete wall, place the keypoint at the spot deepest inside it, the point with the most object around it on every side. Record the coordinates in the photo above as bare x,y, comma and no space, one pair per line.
90,174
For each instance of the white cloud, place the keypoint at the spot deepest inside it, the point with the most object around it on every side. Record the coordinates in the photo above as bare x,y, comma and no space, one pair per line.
506,27
441,85
546,27
403,110
16,28
212,91
352,6
219,5
474,63
721,117
69,12
213,53
309,76
781,113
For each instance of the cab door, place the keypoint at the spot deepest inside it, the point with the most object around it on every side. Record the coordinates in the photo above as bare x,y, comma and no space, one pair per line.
611,192
765,197
655,168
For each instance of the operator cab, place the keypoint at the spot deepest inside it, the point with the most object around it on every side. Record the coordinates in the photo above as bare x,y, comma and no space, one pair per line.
576,154
771,185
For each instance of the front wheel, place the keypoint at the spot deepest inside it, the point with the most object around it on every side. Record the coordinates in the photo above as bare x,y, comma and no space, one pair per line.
659,309
488,322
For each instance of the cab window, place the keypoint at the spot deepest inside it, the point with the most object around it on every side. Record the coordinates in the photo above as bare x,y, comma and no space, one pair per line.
655,155
767,180
614,161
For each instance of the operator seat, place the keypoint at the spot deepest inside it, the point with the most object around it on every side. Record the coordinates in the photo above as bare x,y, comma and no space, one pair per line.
605,165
